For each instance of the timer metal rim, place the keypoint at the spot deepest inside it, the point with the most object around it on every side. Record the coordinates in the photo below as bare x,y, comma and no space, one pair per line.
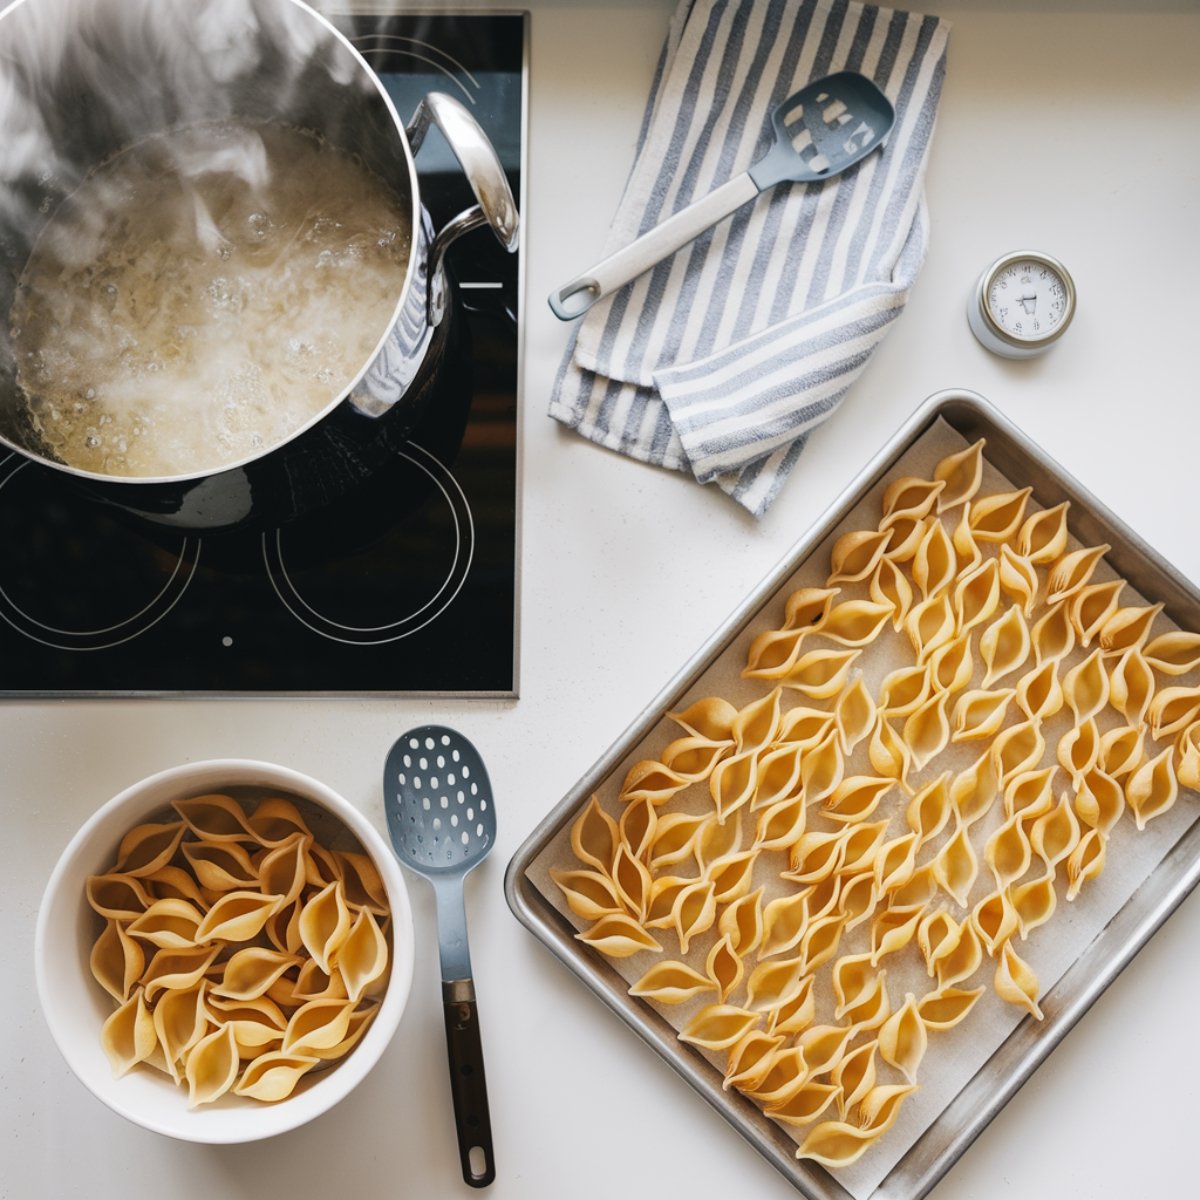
1007,260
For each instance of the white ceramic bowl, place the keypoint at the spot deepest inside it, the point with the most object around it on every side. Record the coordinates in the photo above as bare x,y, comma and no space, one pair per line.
75,1006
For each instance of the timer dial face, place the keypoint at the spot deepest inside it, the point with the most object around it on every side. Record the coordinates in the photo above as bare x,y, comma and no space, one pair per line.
1028,300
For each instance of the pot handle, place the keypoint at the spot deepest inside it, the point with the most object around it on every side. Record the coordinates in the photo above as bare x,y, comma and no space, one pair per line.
481,165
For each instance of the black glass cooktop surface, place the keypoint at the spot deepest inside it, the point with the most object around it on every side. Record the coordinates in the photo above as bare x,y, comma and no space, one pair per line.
409,583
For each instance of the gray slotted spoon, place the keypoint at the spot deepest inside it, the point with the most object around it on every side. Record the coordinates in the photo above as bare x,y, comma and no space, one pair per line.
442,821
819,131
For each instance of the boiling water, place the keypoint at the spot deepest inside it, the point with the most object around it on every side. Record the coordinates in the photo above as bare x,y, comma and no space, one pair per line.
202,295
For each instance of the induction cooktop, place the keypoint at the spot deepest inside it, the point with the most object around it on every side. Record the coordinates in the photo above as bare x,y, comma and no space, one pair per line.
406,585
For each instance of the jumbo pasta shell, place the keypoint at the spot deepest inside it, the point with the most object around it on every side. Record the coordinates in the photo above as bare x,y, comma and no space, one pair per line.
807,608
594,837
282,872
618,936
742,922
995,920
956,866
361,880
1004,645
1174,653
168,923
1152,789
935,563
220,866
980,713
636,828
750,1059
891,931
317,1025
854,715
128,1037
117,961
250,972
1131,687
118,897
180,1021
774,984
890,586
1018,579
855,622
1007,852
1128,628
1073,571
977,595
1039,692
212,1066
1053,635
273,1076
1086,861
1172,710
694,912
903,1039
718,1026
974,790
170,969
148,848
672,983
324,924
237,917
781,825
961,473
904,690
856,797
820,673
1034,903
929,625
1015,981
215,818
1092,606
277,820
930,809
855,555
1043,537
909,498
947,1007
724,967
1086,687
711,717
588,893
951,665
997,518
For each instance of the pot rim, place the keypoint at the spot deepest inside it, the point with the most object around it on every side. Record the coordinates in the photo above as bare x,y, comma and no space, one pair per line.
340,397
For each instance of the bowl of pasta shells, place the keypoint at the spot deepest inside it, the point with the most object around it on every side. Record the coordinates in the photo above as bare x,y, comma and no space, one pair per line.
224,950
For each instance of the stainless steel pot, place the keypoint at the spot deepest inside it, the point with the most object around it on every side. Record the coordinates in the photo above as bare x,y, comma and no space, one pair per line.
81,79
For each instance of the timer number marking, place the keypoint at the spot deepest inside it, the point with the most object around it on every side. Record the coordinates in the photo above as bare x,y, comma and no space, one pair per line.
1027,299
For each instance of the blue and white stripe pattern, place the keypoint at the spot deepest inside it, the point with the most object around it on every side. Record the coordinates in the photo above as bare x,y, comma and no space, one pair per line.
722,358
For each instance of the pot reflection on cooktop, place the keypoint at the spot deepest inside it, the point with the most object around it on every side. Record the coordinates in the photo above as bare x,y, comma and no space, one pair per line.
74,579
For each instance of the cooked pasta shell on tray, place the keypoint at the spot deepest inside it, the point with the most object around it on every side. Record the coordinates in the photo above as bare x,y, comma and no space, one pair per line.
977,595
1039,692
952,665
1018,579
1086,687
980,713
947,1007
1174,653
1015,981
997,518
910,498
1043,537
1073,571
855,555
1131,687
1092,606
890,586
1152,789
719,1026
854,715
1172,710
750,1059
961,473
1128,628
1052,635
995,920
1004,645
935,563
1188,746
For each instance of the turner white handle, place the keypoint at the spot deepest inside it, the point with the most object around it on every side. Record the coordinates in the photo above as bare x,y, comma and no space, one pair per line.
575,298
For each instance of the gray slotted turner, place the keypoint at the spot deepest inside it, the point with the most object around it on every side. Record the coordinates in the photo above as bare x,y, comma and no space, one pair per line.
819,131
442,822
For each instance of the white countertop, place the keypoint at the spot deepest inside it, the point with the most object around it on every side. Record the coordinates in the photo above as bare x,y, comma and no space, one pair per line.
1068,131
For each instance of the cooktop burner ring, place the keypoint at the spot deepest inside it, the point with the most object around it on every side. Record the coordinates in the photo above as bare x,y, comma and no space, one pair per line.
463,525
115,633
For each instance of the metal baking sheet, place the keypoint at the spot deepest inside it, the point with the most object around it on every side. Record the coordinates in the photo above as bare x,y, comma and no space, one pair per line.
970,1110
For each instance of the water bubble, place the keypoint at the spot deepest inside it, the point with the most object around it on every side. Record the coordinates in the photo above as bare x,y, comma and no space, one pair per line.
90,394
92,440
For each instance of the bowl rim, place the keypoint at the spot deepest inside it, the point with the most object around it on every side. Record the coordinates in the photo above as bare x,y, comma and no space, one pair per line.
256,1122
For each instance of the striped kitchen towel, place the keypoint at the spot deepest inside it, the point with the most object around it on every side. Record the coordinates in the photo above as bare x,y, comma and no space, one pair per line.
721,359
